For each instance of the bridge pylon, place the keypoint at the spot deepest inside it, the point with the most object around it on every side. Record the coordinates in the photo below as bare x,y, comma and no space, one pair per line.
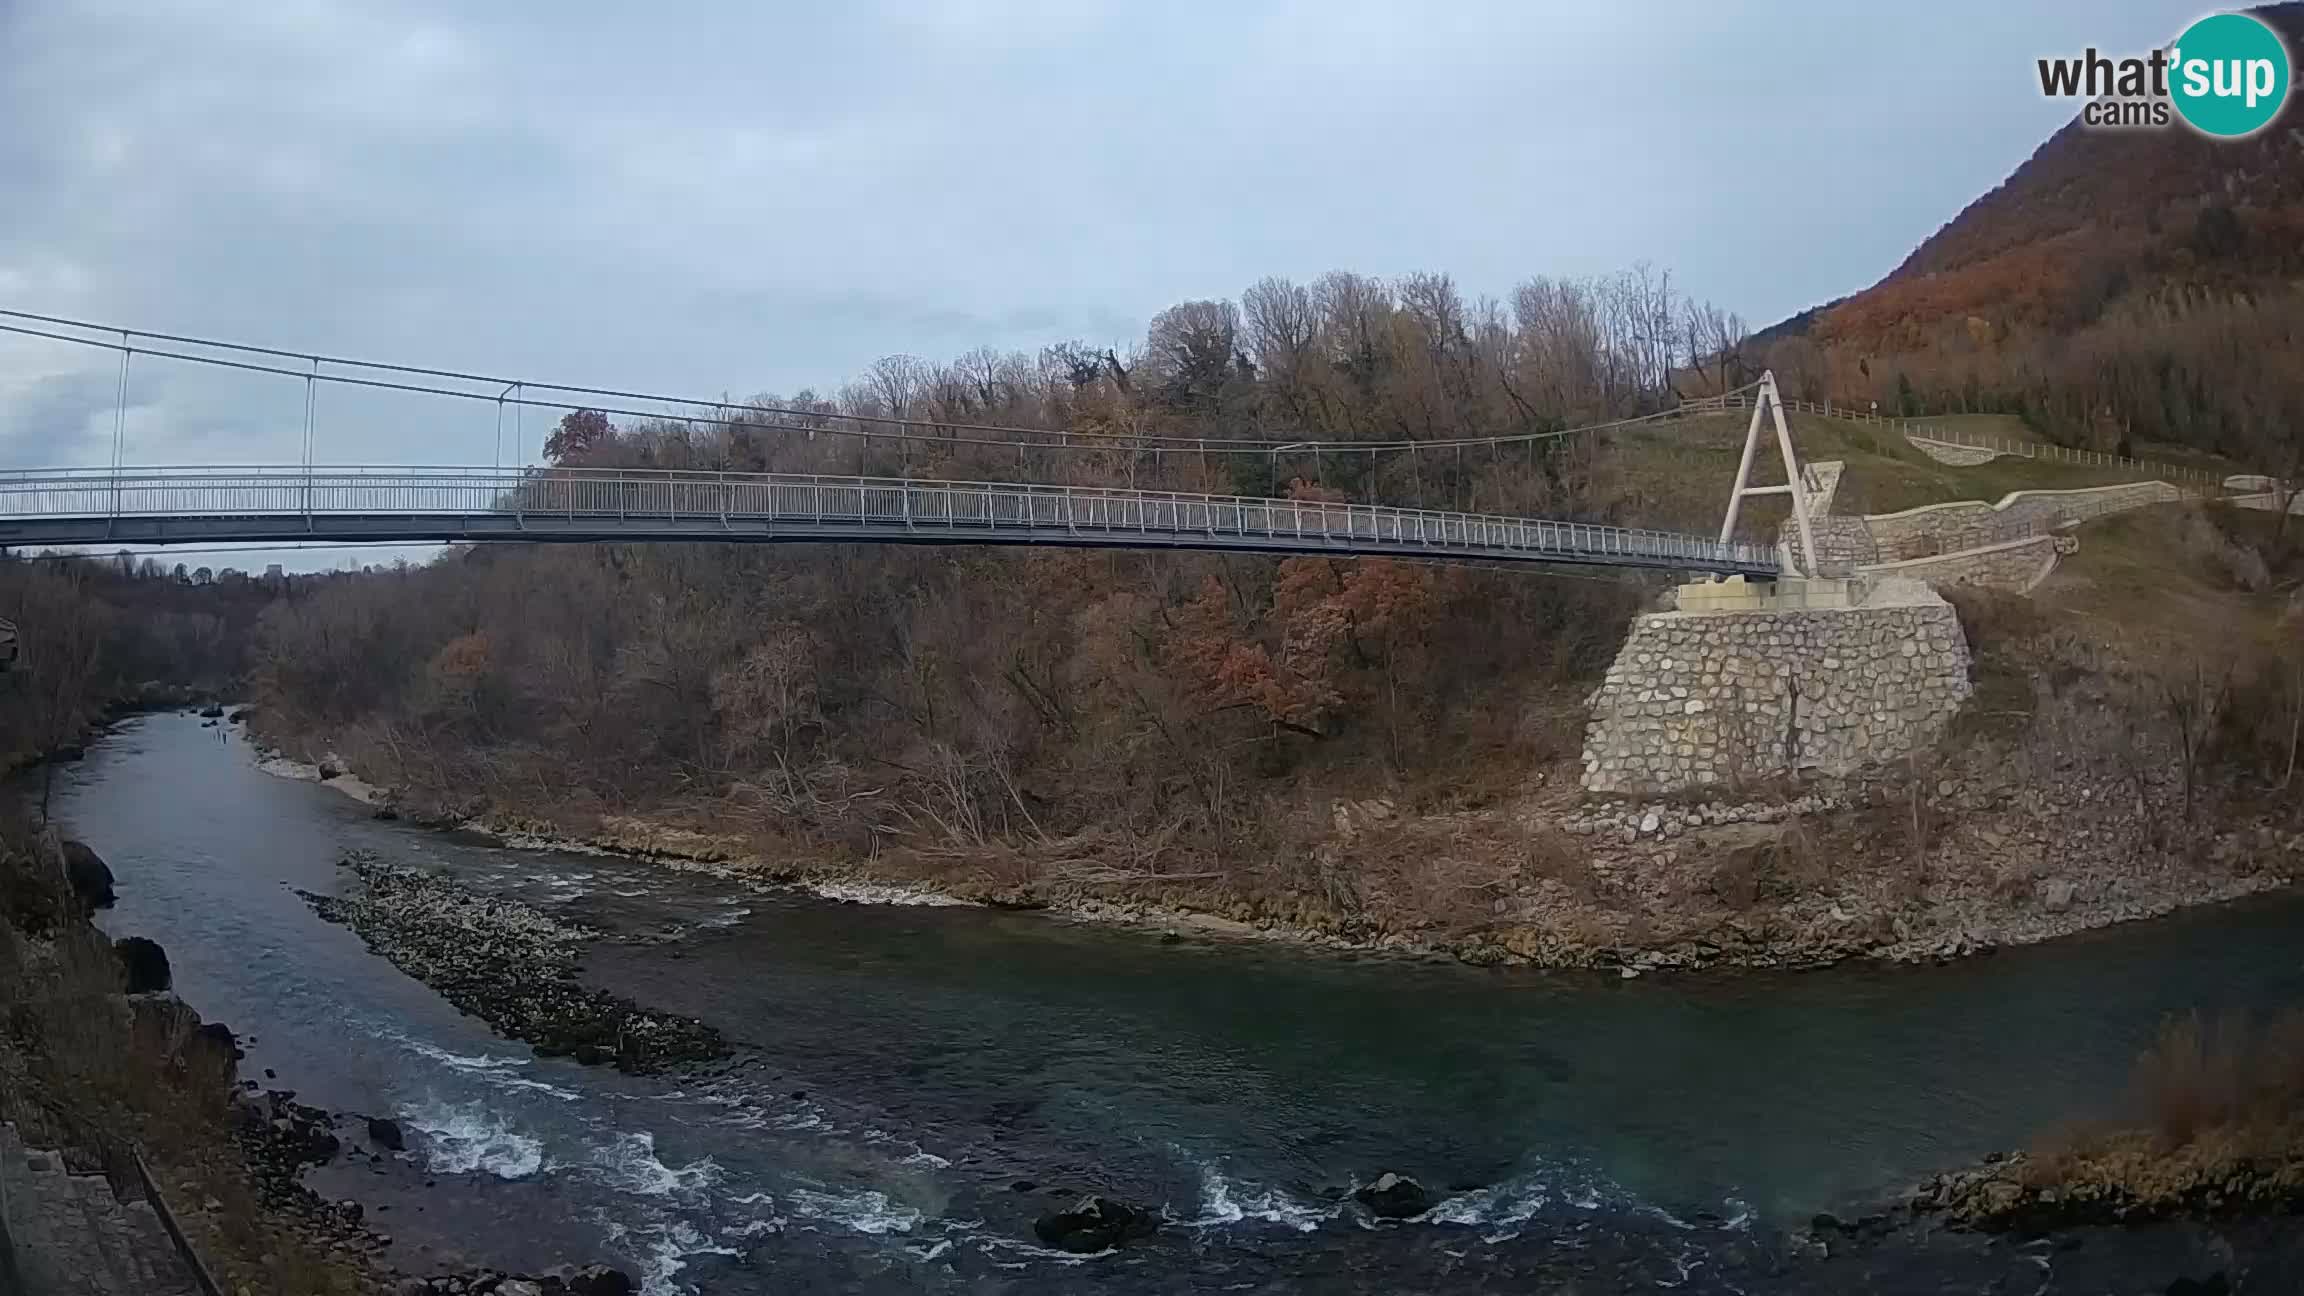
1766,403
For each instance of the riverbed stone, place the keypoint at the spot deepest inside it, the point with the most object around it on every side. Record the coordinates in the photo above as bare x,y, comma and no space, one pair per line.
599,1280
511,965
386,1134
1093,1224
2056,895
90,876
143,965
1394,1196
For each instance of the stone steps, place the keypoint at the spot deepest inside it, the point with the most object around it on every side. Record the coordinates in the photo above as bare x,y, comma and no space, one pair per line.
71,1236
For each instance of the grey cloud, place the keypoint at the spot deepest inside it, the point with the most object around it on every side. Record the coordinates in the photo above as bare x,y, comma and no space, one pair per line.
759,197
64,419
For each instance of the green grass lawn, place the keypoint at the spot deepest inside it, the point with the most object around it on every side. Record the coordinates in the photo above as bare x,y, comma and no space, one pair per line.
1678,473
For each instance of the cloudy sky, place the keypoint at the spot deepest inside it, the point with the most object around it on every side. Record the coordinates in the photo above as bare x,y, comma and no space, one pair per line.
724,197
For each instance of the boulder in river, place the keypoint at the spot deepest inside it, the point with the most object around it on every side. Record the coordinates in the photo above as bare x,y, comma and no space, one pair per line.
599,1280
1093,1224
218,1038
386,1134
304,1137
330,771
212,713
90,877
143,965
1394,1196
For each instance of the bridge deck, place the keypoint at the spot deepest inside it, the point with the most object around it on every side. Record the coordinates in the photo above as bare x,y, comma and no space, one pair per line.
146,506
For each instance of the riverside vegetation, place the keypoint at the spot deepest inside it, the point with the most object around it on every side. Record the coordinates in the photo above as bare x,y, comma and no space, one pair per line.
1374,753
1383,753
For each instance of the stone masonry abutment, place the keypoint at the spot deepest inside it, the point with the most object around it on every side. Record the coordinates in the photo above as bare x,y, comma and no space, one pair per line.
1748,682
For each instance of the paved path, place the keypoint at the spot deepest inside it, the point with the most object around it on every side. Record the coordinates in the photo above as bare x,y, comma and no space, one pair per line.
70,1236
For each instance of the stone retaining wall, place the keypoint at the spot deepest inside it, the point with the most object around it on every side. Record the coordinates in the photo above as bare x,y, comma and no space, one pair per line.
1959,456
2013,565
2268,502
1845,543
1699,699
1942,528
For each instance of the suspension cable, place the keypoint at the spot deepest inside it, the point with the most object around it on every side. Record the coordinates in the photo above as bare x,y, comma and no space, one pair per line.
817,420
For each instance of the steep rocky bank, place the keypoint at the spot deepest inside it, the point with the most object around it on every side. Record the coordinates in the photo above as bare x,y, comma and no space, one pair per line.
98,1057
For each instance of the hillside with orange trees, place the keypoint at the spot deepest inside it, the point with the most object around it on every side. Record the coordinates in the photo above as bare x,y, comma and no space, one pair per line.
2120,286
2092,216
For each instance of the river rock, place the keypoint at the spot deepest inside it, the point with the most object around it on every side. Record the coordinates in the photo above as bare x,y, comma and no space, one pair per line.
297,1135
1394,1196
90,877
219,1040
143,965
599,1280
386,1134
2056,895
511,965
1093,1224
212,713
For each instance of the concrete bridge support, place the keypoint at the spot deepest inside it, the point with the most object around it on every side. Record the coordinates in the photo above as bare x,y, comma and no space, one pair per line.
1743,682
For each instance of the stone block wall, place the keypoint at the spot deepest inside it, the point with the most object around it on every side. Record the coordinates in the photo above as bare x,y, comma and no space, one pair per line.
1698,699
2267,502
1845,543
2016,565
1959,456
1942,528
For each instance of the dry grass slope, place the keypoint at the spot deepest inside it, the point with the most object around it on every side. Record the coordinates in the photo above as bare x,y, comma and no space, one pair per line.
1677,474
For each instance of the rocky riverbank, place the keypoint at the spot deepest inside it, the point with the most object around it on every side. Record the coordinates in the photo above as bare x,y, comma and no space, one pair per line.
104,1061
1676,886
511,966
2122,1180
1891,865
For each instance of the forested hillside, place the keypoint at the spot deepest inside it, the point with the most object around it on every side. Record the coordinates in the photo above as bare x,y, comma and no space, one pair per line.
96,633
1349,745
1184,709
2121,287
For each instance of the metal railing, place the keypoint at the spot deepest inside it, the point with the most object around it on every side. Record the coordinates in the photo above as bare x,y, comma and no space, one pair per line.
1742,400
1920,429
129,1177
185,1251
2190,480
98,505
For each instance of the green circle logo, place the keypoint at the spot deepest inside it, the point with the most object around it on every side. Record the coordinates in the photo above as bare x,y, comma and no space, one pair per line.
2228,75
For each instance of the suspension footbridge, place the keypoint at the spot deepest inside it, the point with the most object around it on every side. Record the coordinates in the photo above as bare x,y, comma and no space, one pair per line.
288,505
569,502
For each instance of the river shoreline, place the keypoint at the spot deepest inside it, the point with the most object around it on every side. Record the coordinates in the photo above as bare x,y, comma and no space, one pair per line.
1647,1247
1624,838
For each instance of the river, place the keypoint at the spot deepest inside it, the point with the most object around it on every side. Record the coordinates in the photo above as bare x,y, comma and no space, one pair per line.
914,1083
